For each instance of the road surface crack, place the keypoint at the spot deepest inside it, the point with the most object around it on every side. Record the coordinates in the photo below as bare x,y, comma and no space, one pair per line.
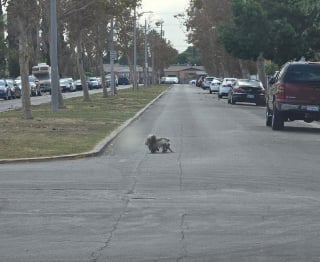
94,257
183,227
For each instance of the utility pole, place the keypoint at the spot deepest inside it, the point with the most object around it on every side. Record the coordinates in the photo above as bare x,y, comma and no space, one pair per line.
112,58
146,77
156,74
160,23
135,82
54,57
135,85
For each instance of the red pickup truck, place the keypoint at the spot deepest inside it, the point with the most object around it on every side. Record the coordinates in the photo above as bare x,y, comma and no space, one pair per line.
293,94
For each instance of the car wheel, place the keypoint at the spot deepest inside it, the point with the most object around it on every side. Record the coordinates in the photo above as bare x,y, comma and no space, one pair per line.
219,96
268,117
277,122
210,91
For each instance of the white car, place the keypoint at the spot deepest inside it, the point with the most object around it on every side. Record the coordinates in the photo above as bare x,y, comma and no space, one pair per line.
214,86
108,80
73,87
193,82
169,80
225,86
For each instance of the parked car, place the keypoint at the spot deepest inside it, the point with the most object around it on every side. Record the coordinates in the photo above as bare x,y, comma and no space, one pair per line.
78,84
93,83
225,86
108,79
5,91
99,82
122,80
294,94
214,86
65,85
73,87
206,82
169,80
193,82
15,89
244,90
34,85
200,80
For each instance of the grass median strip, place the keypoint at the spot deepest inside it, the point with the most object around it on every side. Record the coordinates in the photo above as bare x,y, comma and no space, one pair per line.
76,129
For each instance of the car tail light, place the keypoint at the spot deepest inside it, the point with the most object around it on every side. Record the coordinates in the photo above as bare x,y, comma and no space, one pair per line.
281,92
261,91
238,90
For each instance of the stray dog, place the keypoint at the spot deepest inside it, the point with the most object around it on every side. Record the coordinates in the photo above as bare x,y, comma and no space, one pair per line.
155,144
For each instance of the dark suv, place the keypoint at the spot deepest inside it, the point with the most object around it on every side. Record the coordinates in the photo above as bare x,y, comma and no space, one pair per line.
294,94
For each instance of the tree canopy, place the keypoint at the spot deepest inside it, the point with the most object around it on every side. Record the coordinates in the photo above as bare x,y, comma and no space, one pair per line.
280,30
84,33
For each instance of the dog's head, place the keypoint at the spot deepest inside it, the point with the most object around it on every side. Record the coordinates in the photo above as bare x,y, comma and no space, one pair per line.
151,140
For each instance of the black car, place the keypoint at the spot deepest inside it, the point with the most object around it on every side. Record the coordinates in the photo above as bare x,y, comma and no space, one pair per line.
123,81
245,90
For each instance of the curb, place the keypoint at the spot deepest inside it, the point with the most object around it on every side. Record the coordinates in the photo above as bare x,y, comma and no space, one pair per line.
96,151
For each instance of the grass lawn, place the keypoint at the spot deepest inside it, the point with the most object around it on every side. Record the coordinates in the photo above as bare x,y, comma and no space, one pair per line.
76,129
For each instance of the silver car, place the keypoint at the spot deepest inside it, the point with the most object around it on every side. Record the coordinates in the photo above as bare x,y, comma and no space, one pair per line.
214,86
206,82
5,91
225,86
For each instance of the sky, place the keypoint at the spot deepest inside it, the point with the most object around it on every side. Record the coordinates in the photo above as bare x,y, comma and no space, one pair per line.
165,10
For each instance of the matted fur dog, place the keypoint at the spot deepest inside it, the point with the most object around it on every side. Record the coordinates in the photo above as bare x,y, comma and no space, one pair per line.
155,144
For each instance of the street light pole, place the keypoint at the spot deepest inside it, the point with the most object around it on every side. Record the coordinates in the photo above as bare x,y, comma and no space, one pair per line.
135,85
145,55
54,57
112,58
156,74
160,23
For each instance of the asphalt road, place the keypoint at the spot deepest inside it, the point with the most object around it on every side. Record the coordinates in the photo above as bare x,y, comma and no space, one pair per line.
233,190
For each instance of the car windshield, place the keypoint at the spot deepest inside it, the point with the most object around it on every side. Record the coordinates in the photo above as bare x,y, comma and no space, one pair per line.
303,73
253,84
31,78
